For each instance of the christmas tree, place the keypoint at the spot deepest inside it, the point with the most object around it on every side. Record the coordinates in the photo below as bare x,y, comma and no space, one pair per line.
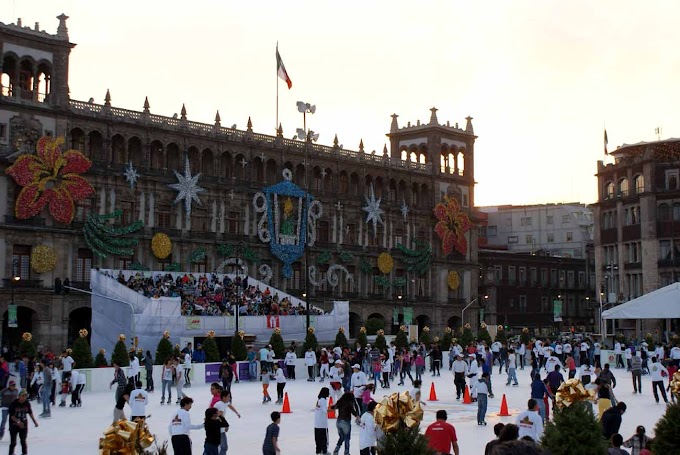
310,340
238,346
120,354
105,239
447,339
380,341
100,360
164,349
212,354
277,344
483,335
501,335
525,337
405,441
466,337
362,339
401,340
340,338
666,435
425,336
81,351
27,346
575,429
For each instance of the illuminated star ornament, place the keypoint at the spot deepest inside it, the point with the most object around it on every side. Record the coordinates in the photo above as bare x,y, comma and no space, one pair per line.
187,188
373,211
131,174
404,209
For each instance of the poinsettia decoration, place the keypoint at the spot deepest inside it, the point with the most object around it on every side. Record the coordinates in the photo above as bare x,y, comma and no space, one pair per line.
452,226
50,178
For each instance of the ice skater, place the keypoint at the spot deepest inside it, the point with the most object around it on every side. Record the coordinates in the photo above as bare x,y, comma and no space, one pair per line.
280,383
321,422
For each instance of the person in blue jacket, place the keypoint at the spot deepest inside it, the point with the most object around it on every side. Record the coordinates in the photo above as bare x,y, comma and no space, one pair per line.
198,355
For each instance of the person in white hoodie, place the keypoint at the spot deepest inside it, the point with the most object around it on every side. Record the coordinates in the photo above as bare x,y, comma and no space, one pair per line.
179,377
280,379
310,362
289,361
368,434
139,398
133,370
321,422
180,428
656,371
530,422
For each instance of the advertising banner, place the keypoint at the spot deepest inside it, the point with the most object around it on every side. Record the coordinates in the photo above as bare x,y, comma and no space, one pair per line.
557,310
12,316
193,323
212,372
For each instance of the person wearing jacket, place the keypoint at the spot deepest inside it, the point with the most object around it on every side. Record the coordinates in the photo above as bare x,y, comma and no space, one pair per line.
611,419
148,366
119,379
636,372
657,371
290,363
346,407
180,428
198,355
7,396
310,363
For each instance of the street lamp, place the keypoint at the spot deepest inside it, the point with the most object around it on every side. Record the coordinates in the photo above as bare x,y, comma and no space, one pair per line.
239,250
15,279
307,135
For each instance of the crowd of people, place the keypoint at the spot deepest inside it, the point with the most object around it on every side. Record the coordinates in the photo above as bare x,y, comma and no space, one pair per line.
214,295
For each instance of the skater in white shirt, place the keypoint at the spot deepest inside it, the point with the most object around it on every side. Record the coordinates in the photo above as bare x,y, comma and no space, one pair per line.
139,398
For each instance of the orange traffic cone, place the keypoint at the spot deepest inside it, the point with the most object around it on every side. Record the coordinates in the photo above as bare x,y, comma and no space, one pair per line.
286,405
504,408
331,412
433,394
466,396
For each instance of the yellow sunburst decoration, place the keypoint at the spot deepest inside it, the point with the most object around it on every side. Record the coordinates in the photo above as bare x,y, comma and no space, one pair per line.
83,333
483,325
121,337
161,245
453,280
385,263
211,334
26,336
43,259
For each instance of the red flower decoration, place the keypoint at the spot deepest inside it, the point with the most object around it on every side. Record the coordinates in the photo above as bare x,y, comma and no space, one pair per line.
50,178
452,226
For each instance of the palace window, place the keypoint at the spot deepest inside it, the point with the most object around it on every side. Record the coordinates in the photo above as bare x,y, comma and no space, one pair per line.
21,261
83,264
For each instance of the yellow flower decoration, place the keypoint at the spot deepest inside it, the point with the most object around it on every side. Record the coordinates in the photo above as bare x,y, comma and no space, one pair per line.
467,325
43,259
241,334
26,336
525,330
211,334
310,330
166,334
483,325
448,330
500,328
385,263
362,330
426,329
121,337
453,280
161,245
83,333
102,351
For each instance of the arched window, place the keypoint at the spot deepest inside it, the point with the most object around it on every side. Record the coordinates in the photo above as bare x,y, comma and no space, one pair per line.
354,184
157,158
639,183
608,190
135,151
174,158
622,187
663,212
343,184
207,163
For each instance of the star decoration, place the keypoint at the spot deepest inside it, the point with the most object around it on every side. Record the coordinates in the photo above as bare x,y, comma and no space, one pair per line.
243,162
373,211
404,209
338,206
187,188
131,174
231,195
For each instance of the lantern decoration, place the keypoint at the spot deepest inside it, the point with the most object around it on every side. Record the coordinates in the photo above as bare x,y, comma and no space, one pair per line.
453,280
525,330
467,325
426,329
385,263
362,330
121,337
288,220
396,410
452,225
83,333
500,328
448,330
241,334
166,334
483,326
210,334
310,330
43,259
572,391
27,336
50,178
126,437
161,245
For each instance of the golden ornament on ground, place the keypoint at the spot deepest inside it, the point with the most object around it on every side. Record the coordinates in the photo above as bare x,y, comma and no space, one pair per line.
161,245
396,409
385,263
675,385
43,258
572,391
126,437
453,280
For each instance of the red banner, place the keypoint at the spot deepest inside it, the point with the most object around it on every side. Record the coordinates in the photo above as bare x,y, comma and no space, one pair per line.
272,322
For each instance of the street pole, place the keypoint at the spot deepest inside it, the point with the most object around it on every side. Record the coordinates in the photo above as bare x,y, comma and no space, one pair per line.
462,313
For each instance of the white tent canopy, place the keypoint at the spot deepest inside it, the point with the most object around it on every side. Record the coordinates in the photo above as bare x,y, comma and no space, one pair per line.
663,303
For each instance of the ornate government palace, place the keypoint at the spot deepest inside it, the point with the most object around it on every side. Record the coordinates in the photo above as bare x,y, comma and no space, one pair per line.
197,183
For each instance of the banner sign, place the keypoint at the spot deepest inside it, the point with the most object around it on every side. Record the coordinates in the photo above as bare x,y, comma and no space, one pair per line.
408,316
12,316
212,372
193,323
395,317
272,322
557,310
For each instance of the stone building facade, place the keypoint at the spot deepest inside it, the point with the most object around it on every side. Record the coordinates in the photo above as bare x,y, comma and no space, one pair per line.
425,162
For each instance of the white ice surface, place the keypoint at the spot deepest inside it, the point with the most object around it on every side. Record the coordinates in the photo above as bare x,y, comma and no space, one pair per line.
77,430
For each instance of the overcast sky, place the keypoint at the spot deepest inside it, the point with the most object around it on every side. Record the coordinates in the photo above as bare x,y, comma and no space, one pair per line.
541,78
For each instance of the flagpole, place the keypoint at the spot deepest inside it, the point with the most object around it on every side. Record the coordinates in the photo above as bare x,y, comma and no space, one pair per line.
276,126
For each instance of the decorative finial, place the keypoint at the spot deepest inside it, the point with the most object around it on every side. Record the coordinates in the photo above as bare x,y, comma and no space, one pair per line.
146,105
384,149
335,140
183,113
250,125
217,118
62,30
468,126
279,132
433,116
394,126
107,98
361,145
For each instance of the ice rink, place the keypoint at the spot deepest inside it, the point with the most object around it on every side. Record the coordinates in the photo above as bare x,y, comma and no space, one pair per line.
77,430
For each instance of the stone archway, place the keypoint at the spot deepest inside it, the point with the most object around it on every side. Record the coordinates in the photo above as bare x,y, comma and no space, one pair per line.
354,324
422,321
79,318
374,322
27,321
453,323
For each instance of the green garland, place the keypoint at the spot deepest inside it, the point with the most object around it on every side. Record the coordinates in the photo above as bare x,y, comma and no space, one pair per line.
365,266
250,255
225,250
346,257
399,282
383,282
324,257
198,255
138,266
174,267
105,239
418,259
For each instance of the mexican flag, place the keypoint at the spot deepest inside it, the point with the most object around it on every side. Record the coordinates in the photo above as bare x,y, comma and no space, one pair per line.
281,70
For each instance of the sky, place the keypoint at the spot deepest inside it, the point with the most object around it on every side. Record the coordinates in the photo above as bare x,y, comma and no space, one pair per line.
541,79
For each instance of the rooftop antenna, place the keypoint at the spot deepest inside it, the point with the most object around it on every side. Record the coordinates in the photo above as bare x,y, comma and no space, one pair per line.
658,131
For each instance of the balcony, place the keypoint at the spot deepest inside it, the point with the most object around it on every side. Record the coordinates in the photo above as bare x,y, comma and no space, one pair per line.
34,221
22,284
